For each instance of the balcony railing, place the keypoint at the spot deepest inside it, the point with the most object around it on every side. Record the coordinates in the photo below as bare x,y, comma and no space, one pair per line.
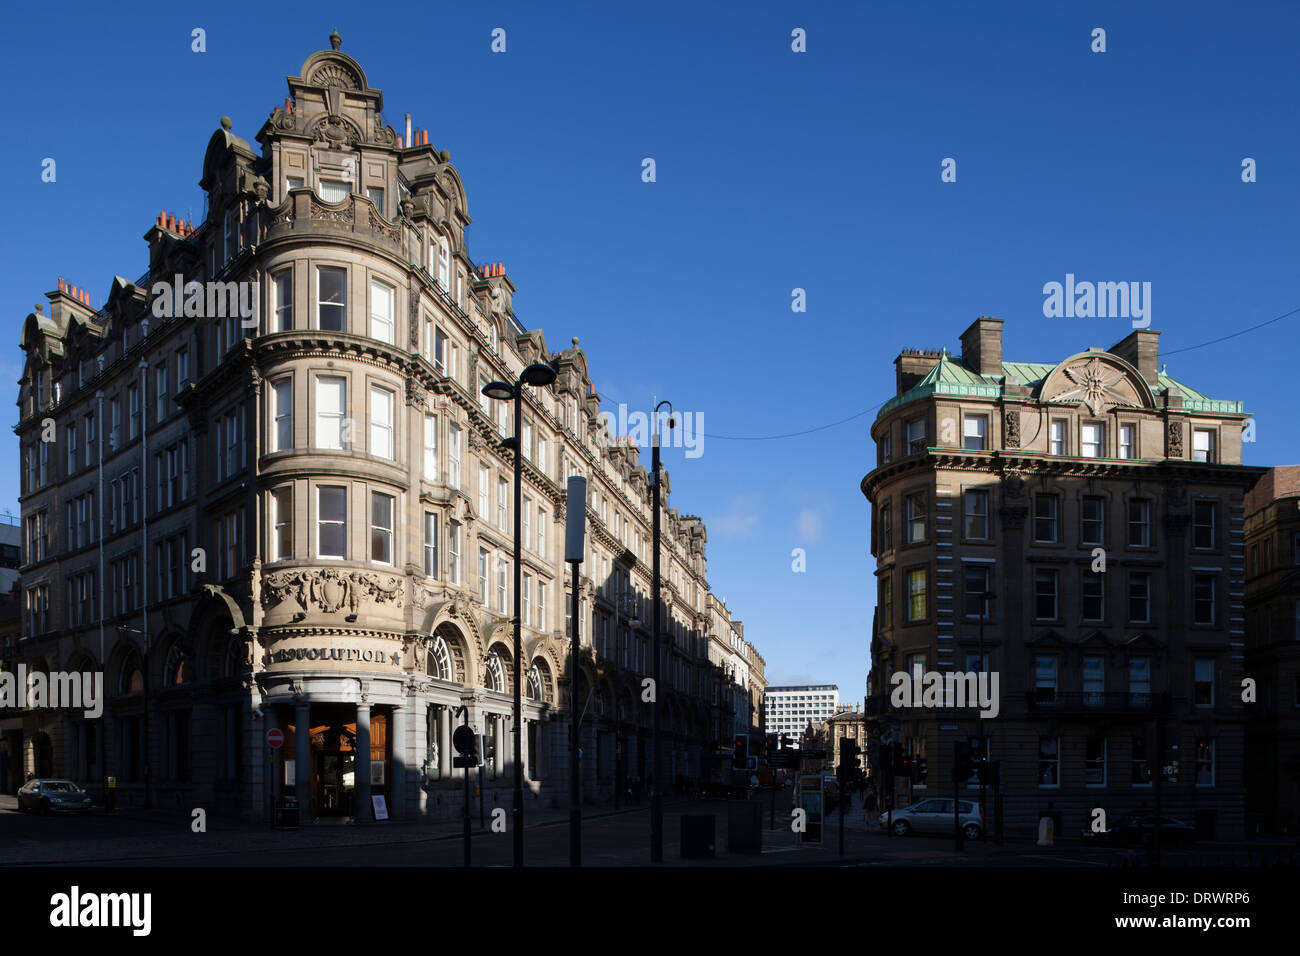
1041,700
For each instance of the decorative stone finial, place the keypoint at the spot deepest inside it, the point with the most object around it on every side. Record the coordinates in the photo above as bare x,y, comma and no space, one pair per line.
226,123
336,41
575,341
444,155
39,308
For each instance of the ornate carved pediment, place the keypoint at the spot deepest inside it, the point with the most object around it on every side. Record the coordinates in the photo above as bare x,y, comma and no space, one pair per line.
335,131
333,73
330,589
1097,381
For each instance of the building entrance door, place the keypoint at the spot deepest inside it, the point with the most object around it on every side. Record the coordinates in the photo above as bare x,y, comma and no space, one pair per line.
335,783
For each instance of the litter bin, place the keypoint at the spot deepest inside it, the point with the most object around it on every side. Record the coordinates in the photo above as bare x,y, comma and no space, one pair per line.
287,814
745,827
697,836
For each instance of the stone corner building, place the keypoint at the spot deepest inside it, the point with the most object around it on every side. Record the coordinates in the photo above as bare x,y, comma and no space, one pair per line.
1006,477
304,520
1273,650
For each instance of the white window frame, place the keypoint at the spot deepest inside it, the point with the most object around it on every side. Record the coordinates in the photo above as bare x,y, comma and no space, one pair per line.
387,532
282,398
343,523
383,428
324,418
383,311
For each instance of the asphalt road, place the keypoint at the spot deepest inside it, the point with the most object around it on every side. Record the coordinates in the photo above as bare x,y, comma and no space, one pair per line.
609,839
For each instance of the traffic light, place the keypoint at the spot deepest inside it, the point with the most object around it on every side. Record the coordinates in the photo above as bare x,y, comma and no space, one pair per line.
740,753
918,769
772,745
979,760
848,766
961,760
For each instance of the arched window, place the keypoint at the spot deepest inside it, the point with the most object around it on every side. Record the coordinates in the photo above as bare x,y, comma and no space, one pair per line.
496,678
132,678
439,660
535,691
233,664
177,669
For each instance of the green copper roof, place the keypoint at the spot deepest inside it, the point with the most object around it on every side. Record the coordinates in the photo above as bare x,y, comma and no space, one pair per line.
951,376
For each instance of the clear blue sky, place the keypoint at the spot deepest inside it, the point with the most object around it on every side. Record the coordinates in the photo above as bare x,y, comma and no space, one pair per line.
775,170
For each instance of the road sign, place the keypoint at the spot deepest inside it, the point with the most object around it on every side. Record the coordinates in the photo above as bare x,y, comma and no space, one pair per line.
275,738
463,739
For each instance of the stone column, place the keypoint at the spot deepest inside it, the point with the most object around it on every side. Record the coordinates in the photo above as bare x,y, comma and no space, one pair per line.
302,758
444,741
363,812
398,763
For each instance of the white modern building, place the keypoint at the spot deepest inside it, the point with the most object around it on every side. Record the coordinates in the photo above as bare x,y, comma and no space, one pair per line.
791,709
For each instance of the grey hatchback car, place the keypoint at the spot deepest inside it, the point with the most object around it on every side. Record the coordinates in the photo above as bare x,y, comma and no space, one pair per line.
48,795
934,815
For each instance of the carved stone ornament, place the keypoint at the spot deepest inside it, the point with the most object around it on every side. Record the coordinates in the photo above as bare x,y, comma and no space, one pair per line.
283,214
414,393
281,120
330,589
1175,443
1013,486
1095,383
1011,429
335,131
389,230
320,211
384,135
333,74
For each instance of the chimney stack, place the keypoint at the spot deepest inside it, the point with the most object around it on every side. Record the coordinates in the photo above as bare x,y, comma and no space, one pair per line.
408,129
981,346
1141,350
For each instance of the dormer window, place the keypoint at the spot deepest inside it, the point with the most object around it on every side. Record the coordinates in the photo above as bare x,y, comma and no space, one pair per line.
232,236
334,190
443,272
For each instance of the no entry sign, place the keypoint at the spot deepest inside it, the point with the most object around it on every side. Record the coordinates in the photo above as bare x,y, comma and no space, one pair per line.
275,738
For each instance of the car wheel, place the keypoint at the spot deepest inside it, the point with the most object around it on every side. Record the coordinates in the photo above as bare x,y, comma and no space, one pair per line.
971,831
902,828
45,806
21,806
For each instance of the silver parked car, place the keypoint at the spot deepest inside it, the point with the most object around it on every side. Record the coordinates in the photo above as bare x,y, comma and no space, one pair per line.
48,795
934,815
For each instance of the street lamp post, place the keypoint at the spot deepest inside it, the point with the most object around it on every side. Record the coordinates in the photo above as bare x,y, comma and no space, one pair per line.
984,744
144,671
656,794
540,376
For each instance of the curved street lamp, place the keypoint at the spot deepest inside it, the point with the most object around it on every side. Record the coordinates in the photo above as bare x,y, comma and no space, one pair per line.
539,376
